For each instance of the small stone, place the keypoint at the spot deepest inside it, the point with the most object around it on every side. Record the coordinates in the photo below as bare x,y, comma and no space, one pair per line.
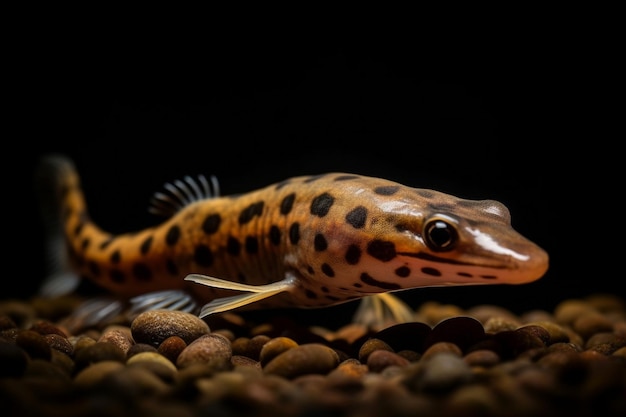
171,347
98,352
569,310
138,348
91,375
244,361
34,344
213,350
275,347
45,327
380,359
118,338
440,347
154,326
590,323
151,357
309,358
484,358
59,343
443,372
371,346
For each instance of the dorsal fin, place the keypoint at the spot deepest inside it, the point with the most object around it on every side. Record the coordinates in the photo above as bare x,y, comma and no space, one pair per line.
180,193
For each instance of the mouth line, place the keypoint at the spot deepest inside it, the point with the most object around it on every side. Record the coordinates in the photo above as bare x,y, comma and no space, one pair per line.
429,257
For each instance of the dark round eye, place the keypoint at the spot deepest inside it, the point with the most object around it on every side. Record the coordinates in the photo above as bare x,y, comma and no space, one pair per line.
440,236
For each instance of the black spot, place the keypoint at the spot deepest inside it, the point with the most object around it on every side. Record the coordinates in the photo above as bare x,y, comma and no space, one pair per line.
94,269
358,285
310,270
115,257
282,184
247,214
386,190
382,250
346,177
314,178
142,272
145,246
380,284
252,244
310,294
294,233
275,235
356,217
117,276
211,224
464,274
489,276
172,235
425,193
79,228
107,242
431,271
321,204
171,267
320,243
403,271
326,269
324,289
353,255
203,255
85,243
287,204
233,247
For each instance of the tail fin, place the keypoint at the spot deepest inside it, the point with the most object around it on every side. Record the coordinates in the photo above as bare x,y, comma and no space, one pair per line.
53,176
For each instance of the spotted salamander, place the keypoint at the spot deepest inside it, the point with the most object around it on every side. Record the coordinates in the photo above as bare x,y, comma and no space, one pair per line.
308,241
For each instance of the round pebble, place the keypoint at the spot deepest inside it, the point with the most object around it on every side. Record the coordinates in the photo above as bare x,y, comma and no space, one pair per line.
154,326
275,347
309,358
213,350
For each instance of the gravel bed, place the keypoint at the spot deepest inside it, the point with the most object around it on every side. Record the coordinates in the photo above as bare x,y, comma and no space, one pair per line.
483,361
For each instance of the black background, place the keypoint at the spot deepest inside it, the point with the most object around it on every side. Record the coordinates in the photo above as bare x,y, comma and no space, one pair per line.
516,120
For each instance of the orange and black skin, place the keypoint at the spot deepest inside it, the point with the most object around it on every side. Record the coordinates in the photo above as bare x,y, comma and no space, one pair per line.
340,236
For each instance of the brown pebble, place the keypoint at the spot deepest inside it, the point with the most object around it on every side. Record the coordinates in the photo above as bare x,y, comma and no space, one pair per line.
151,357
350,368
81,342
590,323
500,324
46,369
59,343
440,347
118,338
612,339
370,346
569,310
380,359
34,344
91,375
138,348
556,332
309,358
171,347
620,352
45,327
154,326
245,361
515,342
98,352
484,358
135,382
488,312
443,372
275,347
213,350
250,347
